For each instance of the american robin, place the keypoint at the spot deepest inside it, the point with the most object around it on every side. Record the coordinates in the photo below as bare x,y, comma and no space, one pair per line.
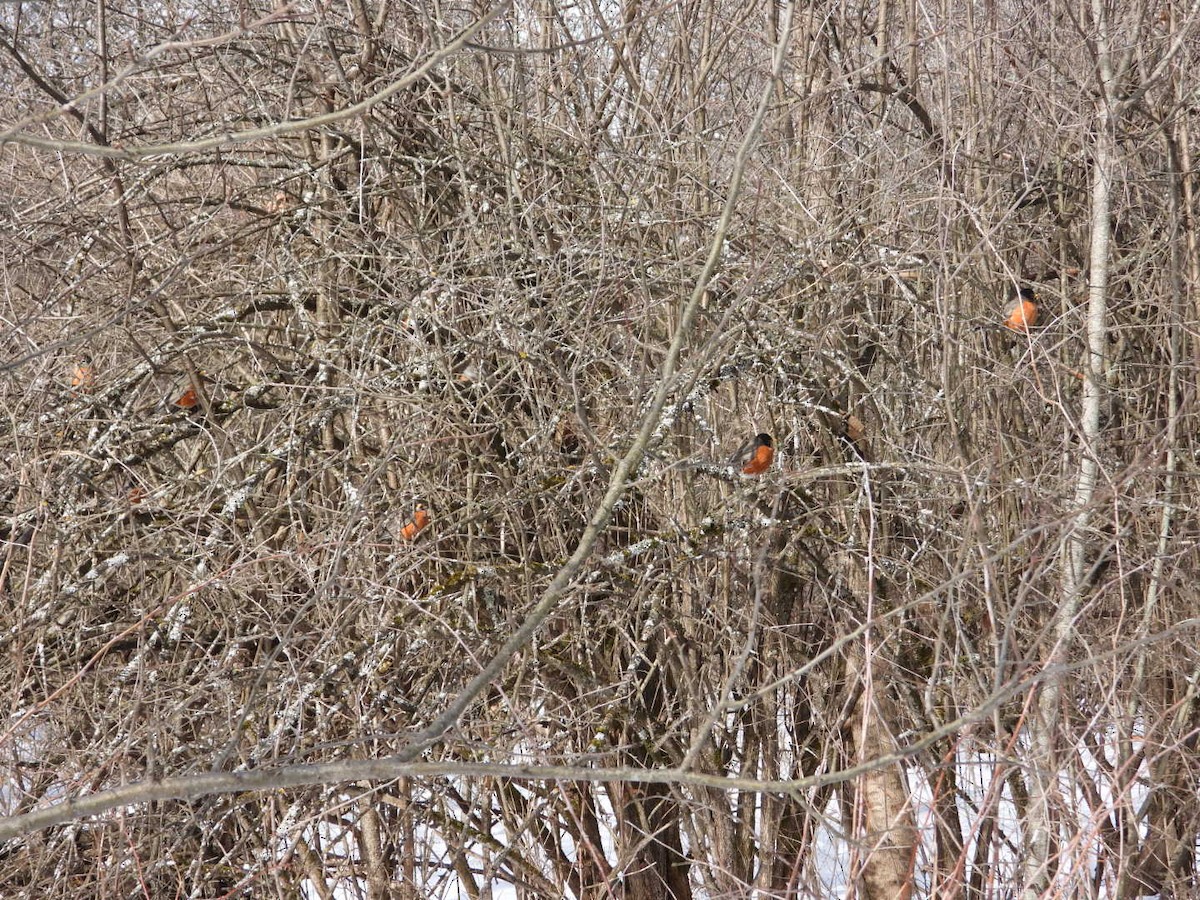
414,526
188,399
83,376
855,429
756,456
1023,314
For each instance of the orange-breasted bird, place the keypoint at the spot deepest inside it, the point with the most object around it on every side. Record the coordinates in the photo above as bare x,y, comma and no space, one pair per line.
414,526
755,457
83,377
188,399
1023,314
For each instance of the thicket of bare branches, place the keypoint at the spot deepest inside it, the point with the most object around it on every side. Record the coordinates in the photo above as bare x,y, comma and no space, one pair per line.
274,281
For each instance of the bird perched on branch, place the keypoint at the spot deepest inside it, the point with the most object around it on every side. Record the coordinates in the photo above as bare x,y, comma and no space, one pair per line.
83,376
189,399
1024,312
419,522
185,394
755,456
